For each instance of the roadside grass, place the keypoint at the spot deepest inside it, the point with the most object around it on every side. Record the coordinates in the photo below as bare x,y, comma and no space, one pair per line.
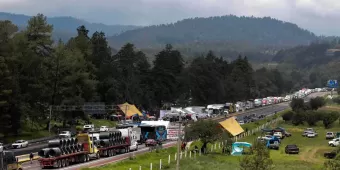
143,160
29,131
103,122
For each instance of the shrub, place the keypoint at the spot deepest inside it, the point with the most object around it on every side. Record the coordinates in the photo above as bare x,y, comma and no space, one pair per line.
312,117
316,103
329,117
287,116
298,118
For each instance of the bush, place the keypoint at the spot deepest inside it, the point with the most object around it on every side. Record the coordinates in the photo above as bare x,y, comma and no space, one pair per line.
312,117
316,103
328,118
287,116
298,118
297,104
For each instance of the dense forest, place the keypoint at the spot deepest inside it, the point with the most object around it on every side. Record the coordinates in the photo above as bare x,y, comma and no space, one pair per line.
243,30
65,27
37,72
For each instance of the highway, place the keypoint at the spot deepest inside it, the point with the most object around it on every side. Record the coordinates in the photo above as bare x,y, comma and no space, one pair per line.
258,111
142,149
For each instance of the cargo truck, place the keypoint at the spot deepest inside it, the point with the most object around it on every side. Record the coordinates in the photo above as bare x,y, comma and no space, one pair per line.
84,149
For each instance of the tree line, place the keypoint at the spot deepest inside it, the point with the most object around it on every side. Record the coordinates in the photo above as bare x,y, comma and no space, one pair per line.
308,113
37,72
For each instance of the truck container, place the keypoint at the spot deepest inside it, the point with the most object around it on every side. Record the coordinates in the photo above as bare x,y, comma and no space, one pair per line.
86,149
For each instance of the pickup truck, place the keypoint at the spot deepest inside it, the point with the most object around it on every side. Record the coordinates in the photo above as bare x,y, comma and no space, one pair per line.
273,145
334,142
330,155
330,135
292,149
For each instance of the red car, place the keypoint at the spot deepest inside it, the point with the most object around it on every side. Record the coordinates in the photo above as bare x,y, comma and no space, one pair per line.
150,142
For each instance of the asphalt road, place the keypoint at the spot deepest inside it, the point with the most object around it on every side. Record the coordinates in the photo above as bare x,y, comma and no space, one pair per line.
271,109
142,149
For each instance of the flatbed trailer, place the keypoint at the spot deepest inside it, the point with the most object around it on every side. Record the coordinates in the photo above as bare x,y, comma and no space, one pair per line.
64,160
113,150
84,156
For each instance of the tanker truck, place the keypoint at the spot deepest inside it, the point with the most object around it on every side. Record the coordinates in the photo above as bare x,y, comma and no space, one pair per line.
64,152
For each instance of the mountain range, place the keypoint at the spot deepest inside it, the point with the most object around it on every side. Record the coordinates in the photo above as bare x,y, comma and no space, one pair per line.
227,35
66,27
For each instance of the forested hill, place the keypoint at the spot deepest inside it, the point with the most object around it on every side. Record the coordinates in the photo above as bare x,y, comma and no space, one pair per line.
247,30
66,27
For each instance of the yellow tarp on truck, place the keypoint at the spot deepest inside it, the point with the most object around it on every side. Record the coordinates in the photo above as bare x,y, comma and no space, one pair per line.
129,109
232,126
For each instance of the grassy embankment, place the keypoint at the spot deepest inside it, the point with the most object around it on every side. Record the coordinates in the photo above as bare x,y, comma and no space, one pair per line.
212,161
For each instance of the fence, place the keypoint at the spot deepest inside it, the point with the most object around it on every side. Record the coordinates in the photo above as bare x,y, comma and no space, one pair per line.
187,154
258,129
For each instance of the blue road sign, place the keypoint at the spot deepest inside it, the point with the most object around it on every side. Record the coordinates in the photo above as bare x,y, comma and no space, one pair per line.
332,84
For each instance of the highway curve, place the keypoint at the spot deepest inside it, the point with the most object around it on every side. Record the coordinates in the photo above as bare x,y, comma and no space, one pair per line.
265,110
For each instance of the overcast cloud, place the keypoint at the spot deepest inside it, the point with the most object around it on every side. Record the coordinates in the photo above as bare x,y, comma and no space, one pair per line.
318,16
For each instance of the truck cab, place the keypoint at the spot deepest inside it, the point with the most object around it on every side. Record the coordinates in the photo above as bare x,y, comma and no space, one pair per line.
85,140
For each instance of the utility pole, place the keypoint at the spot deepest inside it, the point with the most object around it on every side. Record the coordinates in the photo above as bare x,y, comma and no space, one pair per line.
50,118
179,140
126,106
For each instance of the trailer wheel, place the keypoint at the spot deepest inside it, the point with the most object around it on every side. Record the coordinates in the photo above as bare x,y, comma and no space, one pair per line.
67,162
63,163
110,152
87,158
58,164
82,158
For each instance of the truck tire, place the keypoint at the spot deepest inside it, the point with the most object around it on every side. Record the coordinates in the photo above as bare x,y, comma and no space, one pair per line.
87,158
58,164
98,155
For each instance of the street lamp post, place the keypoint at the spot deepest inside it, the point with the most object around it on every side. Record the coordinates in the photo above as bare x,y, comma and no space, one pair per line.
179,140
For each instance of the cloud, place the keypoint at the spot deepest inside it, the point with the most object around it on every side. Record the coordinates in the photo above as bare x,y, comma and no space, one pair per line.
319,16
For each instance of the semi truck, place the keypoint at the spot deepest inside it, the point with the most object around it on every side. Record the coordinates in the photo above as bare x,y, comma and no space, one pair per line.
86,148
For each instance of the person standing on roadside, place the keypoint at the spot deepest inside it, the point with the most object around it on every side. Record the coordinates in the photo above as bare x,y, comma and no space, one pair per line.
31,157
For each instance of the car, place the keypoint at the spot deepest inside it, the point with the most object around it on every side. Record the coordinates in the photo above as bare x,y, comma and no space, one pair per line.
266,137
292,149
65,134
20,144
330,155
287,134
241,122
274,145
278,135
89,127
330,135
312,134
334,142
150,142
305,133
103,128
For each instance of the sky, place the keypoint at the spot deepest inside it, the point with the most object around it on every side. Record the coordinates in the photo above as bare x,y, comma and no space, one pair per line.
319,16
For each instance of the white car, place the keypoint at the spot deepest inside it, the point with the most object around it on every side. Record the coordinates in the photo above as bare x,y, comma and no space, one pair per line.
241,122
19,144
65,134
103,128
89,127
334,142
267,137
278,135
311,134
